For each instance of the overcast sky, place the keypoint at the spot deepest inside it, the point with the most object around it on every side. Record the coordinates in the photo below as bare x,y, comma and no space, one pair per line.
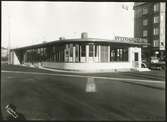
34,22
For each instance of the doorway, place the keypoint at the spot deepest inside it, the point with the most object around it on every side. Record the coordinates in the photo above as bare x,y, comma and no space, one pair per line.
136,60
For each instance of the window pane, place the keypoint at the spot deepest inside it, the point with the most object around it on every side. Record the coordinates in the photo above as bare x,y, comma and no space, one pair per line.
145,22
145,11
71,50
83,50
95,50
156,19
136,56
77,50
156,31
156,7
155,43
90,50
144,33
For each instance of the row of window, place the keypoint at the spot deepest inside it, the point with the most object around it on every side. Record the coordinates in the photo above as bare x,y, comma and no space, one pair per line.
139,12
80,50
157,43
155,32
119,54
44,54
115,54
56,54
156,20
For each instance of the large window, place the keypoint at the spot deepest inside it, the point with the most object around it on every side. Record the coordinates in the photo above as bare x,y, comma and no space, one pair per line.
71,50
155,43
138,12
95,50
83,50
145,22
119,54
104,53
112,54
156,31
77,50
48,53
136,56
145,11
156,19
90,50
145,33
125,54
156,7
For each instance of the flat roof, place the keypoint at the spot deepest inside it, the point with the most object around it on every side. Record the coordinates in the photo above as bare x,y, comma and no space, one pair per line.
117,40
136,4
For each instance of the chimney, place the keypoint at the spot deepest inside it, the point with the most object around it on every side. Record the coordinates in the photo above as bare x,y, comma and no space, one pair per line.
84,35
61,38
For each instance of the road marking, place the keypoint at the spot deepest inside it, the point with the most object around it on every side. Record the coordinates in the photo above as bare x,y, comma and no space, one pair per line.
90,85
81,76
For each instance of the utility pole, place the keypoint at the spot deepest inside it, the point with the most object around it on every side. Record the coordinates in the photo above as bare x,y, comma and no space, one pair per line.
9,38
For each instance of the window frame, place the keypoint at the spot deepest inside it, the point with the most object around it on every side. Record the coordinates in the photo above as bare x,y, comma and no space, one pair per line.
156,7
90,50
145,34
156,31
156,19
145,22
155,43
144,11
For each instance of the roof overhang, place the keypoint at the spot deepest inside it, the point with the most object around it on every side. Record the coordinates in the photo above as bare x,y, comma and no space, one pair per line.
118,40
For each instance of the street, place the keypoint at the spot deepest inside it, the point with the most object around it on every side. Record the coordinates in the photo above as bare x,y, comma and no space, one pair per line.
46,95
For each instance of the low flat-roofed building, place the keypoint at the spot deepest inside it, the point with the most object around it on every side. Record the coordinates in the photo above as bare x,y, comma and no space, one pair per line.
4,55
83,54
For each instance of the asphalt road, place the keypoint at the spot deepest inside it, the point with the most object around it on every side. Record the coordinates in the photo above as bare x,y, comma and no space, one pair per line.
54,97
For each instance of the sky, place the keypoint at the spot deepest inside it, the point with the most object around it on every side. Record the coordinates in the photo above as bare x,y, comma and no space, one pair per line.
28,23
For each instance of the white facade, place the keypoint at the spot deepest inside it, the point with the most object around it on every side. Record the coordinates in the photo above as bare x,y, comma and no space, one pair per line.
96,66
90,65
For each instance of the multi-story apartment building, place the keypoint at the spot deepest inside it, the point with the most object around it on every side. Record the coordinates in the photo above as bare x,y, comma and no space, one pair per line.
149,23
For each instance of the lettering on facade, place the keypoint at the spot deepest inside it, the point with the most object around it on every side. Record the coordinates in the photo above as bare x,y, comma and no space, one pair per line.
130,40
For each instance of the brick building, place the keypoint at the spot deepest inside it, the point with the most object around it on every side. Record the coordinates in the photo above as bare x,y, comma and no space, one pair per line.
149,23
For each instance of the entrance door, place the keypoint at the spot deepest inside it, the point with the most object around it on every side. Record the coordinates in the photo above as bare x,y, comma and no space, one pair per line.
136,59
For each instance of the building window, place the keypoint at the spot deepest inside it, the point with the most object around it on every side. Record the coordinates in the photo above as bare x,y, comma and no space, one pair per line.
119,54
156,31
156,7
112,54
145,33
155,43
71,50
95,50
156,19
83,50
145,22
145,11
90,50
138,12
136,57
77,50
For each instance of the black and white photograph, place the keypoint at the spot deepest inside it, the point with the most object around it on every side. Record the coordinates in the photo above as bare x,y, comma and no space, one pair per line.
83,61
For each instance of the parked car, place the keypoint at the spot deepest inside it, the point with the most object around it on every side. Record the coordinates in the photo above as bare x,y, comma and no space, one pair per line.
158,64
